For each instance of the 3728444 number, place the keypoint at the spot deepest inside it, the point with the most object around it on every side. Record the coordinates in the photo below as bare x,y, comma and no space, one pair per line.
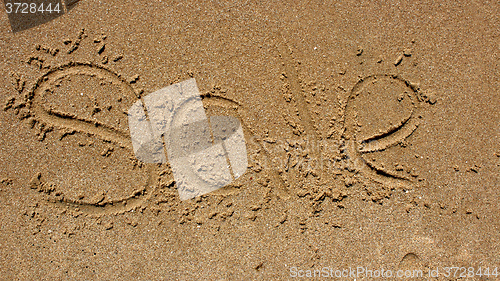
463,272
31,8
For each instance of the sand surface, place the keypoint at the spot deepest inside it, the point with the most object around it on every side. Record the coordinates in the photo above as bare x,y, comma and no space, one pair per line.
371,130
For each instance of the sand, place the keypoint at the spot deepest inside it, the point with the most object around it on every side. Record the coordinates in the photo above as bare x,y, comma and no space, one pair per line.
371,130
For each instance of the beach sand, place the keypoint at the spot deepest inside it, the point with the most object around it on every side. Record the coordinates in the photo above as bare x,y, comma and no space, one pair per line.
371,130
